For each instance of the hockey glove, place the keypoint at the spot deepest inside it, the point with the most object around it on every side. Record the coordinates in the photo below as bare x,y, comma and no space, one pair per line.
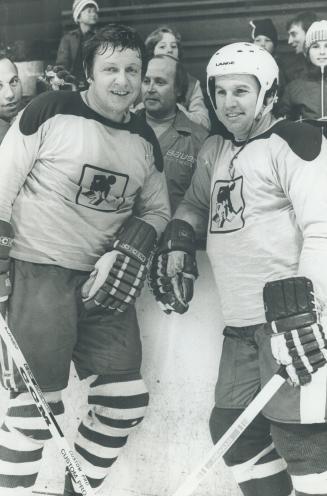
174,270
6,240
119,275
298,342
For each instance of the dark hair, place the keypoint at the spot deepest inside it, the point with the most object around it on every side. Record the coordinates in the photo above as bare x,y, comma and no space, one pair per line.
153,39
304,19
117,36
181,78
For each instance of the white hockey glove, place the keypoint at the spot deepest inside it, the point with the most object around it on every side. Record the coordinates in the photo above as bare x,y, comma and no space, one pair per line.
119,275
174,270
6,240
298,340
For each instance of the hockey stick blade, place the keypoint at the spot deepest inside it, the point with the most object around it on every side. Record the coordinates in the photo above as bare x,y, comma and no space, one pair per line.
42,405
233,433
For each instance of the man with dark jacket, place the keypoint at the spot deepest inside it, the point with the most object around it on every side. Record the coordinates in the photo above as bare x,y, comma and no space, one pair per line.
180,138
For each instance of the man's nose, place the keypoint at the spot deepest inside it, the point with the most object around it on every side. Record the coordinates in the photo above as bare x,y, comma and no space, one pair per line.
121,77
9,93
229,100
151,88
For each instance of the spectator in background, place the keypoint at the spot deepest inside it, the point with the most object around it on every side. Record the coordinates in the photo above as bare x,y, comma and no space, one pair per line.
164,40
10,94
180,138
85,14
55,78
297,28
264,34
305,98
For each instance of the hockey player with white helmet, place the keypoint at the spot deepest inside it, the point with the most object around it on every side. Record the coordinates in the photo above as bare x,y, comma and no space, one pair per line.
264,193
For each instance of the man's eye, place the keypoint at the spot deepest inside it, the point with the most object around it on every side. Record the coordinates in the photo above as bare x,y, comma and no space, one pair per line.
146,81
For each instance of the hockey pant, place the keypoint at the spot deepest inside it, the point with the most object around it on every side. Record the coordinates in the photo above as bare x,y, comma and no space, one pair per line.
271,458
117,406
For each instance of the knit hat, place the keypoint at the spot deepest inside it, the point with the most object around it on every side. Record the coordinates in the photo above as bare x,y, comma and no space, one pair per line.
79,5
264,27
316,32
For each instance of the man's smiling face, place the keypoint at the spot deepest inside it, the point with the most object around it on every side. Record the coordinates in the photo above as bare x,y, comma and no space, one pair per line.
115,82
236,100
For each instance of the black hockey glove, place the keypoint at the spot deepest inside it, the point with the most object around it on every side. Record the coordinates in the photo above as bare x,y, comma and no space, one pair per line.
6,240
298,342
120,274
174,270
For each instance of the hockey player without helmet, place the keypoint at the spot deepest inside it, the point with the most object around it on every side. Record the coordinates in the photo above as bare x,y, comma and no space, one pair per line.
245,58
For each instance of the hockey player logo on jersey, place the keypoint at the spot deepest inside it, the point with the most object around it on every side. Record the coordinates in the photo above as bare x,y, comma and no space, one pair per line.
103,189
227,206
279,168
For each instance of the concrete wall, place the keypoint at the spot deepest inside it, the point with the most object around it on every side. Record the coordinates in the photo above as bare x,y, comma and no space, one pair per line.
180,366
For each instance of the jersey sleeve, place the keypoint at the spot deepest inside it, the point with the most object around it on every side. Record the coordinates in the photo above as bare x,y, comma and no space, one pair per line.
303,177
18,153
194,208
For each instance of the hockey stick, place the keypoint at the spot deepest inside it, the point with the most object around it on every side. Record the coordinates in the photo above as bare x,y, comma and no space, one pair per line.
233,433
66,452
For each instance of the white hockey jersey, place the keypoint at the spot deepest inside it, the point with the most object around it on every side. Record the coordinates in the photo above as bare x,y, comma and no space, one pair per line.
267,214
69,178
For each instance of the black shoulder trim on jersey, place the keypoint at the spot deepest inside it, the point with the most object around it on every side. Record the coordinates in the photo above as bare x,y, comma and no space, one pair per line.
47,105
138,125
304,139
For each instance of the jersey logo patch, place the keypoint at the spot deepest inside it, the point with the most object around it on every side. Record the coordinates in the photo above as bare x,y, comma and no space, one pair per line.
101,189
227,206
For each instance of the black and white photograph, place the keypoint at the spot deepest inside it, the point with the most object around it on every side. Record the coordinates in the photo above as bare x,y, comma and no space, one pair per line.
163,248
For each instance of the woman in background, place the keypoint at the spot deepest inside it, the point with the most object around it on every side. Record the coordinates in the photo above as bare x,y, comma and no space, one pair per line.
305,98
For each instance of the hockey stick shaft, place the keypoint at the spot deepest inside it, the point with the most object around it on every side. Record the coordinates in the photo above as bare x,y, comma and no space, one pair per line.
232,434
66,452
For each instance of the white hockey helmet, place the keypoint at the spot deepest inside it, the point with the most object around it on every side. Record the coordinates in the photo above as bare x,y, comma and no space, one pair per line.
245,58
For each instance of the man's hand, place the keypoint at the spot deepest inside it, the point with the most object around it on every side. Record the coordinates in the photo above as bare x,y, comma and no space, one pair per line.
298,340
174,270
120,274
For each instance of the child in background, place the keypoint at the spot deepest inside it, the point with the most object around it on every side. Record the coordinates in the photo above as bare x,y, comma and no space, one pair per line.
85,14
264,34
164,40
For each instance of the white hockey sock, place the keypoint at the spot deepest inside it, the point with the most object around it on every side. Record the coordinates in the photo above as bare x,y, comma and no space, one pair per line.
117,408
22,437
